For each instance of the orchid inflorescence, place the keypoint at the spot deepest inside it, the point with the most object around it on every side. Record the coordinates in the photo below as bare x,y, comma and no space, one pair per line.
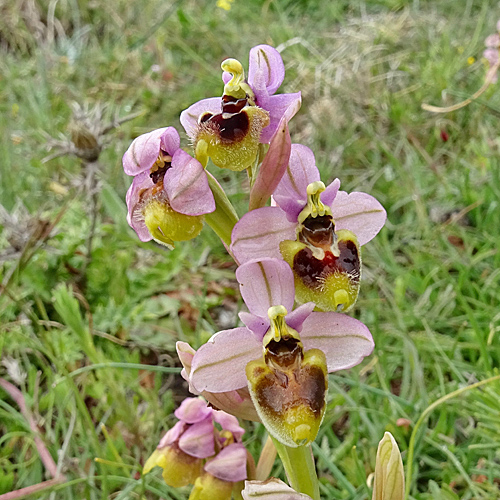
304,249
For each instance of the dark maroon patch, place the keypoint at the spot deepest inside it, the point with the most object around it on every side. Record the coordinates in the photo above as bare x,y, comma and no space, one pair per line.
231,129
312,270
205,117
233,105
159,174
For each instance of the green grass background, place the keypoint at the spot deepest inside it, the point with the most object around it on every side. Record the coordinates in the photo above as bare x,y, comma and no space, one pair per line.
431,281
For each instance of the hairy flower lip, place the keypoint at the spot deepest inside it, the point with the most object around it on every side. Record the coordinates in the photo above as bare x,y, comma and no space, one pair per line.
259,232
265,75
219,365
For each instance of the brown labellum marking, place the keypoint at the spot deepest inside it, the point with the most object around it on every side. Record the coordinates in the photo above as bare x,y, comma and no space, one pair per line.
313,271
280,391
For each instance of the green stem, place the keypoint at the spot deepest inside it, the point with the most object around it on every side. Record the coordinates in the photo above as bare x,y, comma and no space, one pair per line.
299,467
223,219
425,414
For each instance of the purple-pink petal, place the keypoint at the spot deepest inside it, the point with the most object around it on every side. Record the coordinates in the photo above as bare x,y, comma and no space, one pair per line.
170,141
296,318
189,117
344,340
186,185
330,193
172,435
219,365
198,439
144,150
229,423
237,403
266,70
259,232
279,106
193,410
266,283
257,324
230,464
360,213
134,216
291,193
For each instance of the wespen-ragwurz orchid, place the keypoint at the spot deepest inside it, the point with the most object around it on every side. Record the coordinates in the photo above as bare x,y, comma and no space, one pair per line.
230,129
317,230
283,355
196,452
170,193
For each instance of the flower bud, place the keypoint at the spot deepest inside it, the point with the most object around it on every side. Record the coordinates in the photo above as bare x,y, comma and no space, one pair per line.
389,473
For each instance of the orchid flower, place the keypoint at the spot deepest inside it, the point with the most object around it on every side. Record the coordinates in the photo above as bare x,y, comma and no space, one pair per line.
282,355
229,130
170,193
196,452
317,230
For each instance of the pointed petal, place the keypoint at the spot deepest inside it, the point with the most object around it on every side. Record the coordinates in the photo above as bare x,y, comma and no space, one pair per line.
229,423
230,464
219,365
143,152
273,167
266,283
297,317
193,410
189,117
291,193
134,216
256,324
279,106
344,340
186,185
198,439
360,213
266,70
259,232
272,489
330,193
